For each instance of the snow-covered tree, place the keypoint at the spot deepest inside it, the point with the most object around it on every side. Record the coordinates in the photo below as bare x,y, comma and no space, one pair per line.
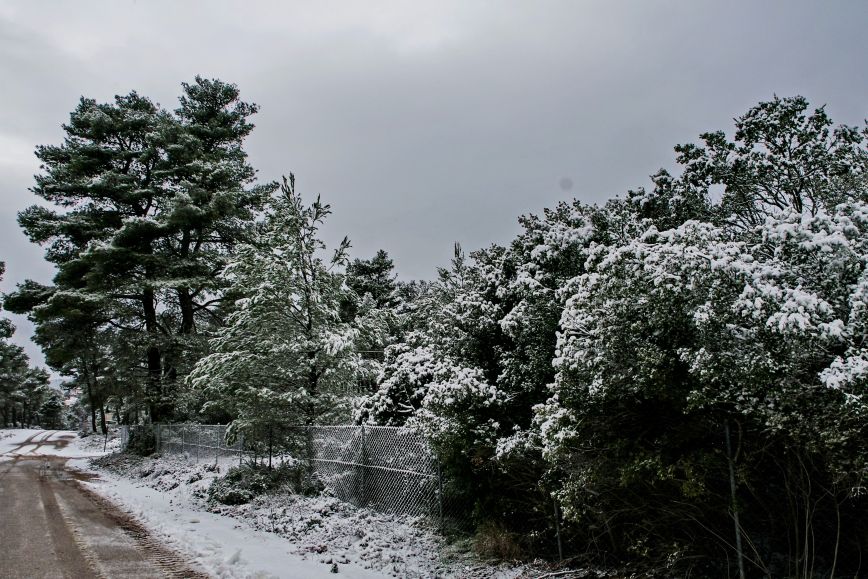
620,343
374,276
285,357
668,340
479,355
782,157
23,389
150,204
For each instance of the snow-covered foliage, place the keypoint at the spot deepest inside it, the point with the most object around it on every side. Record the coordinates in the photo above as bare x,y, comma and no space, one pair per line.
489,329
451,403
668,338
607,349
285,353
742,319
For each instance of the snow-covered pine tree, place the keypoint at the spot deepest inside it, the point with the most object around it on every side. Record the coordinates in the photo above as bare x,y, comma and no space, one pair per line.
375,276
23,389
285,356
153,203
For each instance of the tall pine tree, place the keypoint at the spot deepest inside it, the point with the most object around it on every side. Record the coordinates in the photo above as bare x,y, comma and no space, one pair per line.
151,204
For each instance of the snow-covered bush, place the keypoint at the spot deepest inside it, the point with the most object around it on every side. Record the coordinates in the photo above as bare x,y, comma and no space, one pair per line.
453,405
668,340
608,354
243,483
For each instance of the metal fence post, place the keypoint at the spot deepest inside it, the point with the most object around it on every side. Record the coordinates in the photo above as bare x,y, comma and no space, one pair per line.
198,443
364,497
440,493
240,448
183,447
217,450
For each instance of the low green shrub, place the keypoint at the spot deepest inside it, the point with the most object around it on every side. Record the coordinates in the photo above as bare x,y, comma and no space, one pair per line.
242,483
143,441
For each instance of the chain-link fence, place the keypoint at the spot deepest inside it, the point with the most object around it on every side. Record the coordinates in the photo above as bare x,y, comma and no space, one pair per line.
388,469
196,442
200,442
124,435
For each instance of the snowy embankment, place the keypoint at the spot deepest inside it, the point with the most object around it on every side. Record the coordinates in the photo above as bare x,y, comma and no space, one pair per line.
222,546
276,535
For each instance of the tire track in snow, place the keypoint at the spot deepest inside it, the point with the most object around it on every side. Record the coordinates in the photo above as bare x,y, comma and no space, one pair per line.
167,560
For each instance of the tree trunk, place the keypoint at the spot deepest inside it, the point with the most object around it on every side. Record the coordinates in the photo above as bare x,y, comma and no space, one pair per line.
89,381
185,303
185,299
154,359
738,547
270,445
104,428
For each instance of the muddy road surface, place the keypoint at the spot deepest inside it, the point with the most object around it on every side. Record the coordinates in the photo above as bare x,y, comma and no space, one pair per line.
51,526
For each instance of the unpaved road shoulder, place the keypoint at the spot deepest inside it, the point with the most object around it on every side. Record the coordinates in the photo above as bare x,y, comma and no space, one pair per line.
52,527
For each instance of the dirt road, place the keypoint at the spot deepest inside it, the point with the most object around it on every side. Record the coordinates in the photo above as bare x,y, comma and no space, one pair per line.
53,527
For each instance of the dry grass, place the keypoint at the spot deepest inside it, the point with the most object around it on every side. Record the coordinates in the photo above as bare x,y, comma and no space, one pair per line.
493,541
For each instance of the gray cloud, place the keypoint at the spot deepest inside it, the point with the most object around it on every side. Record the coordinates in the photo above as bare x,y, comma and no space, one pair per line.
428,125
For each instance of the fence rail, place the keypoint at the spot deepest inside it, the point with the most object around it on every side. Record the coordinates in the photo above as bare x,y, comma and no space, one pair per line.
388,469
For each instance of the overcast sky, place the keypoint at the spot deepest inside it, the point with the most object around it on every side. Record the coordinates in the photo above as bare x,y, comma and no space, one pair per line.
426,124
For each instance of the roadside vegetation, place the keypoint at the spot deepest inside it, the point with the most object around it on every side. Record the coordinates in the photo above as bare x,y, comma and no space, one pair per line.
673,381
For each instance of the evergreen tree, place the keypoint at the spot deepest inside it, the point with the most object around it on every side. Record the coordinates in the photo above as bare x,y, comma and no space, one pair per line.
22,388
285,356
51,412
374,276
73,328
746,333
782,157
601,358
152,203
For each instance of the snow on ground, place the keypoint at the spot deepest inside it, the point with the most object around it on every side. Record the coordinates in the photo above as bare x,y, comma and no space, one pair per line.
170,492
224,548
11,439
277,535
35,442
98,445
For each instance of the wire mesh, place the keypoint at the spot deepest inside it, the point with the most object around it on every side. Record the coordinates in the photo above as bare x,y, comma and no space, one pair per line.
384,468
199,442
388,469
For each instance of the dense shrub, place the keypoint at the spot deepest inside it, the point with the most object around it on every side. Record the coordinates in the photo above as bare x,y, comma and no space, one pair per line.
143,441
242,483
681,370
